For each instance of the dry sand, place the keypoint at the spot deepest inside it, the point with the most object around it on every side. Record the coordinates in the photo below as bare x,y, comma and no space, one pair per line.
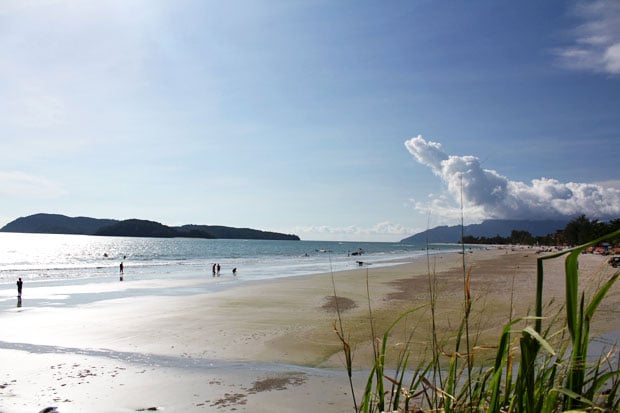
254,346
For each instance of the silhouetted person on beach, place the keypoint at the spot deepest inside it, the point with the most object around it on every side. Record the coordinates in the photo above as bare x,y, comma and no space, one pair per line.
218,269
214,269
235,271
20,285
122,270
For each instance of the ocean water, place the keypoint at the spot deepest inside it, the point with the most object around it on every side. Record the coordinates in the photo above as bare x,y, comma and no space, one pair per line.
50,257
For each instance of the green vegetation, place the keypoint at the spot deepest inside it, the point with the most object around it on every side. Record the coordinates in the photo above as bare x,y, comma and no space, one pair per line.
56,224
578,231
143,228
536,368
221,232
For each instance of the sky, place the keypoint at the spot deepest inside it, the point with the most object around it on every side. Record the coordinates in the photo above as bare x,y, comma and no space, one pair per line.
332,120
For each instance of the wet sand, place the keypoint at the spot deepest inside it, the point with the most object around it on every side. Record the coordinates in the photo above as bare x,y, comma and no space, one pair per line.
190,345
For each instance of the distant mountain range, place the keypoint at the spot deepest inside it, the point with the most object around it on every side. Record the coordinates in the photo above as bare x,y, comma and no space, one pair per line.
488,228
61,224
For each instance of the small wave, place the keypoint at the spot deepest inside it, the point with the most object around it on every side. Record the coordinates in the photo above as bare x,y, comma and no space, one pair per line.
172,257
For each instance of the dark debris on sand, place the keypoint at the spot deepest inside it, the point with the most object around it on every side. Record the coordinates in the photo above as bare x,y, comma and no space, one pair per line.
276,383
229,400
333,303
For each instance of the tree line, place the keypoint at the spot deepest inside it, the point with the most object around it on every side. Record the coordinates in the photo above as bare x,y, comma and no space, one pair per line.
578,231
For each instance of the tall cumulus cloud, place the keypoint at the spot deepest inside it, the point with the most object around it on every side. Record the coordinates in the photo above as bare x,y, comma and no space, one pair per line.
488,194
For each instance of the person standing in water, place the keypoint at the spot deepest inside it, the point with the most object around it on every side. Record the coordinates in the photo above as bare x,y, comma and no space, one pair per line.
122,270
20,285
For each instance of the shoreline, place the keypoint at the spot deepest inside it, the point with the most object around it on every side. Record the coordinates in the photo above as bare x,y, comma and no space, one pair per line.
68,258
274,335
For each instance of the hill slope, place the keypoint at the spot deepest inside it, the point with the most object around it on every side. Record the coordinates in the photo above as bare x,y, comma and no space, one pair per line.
218,231
56,224
61,224
488,228
141,228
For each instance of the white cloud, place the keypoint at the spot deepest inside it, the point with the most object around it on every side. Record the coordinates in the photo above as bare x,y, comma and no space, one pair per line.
23,185
383,231
596,43
613,183
612,59
388,228
487,194
441,210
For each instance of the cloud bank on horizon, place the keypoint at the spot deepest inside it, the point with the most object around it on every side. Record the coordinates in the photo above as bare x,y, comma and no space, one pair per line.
490,195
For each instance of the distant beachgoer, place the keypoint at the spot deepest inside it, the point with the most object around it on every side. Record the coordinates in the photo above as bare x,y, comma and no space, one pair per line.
214,266
122,269
218,269
235,271
20,285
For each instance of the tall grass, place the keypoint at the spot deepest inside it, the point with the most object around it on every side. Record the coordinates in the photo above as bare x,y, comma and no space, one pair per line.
553,373
339,330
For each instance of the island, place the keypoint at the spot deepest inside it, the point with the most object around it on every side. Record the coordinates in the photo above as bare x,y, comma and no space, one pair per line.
43,223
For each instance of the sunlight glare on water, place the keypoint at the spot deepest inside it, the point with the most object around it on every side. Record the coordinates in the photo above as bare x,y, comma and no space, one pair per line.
58,257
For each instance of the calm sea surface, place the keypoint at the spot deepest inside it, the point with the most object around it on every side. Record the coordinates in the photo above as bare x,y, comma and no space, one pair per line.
47,257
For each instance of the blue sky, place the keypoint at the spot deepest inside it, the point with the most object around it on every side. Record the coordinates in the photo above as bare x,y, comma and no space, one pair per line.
347,120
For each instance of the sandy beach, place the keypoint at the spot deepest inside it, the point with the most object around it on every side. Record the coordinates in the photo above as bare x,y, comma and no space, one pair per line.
185,346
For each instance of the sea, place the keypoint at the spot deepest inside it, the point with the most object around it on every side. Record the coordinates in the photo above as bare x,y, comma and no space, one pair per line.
54,258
